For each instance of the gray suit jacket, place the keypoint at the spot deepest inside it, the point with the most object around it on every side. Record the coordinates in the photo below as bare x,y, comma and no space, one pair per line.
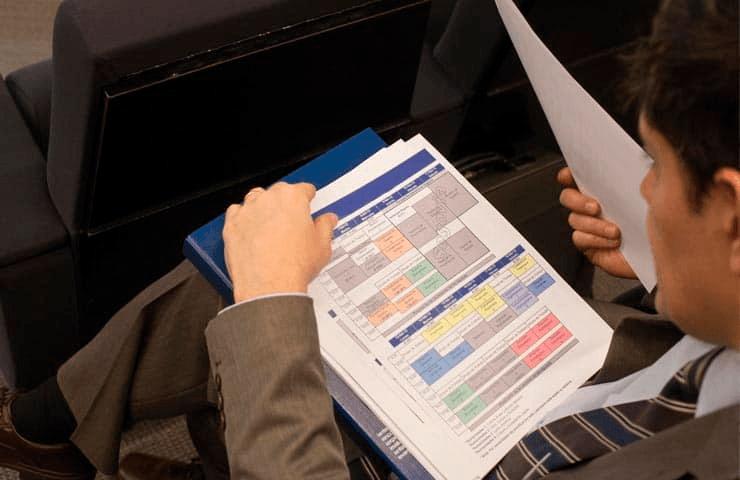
279,423
278,415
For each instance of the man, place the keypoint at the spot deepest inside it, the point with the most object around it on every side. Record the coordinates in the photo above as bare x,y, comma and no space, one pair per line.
266,377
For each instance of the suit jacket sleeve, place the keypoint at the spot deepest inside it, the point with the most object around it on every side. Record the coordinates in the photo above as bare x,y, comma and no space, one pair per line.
278,414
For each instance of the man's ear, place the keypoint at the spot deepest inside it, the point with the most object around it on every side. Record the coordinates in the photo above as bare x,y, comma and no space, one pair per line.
727,181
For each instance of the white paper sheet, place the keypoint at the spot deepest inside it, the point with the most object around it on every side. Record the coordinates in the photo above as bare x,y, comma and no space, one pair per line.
606,163
443,319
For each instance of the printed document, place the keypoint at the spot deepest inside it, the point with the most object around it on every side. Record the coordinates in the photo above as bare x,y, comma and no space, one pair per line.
606,163
441,317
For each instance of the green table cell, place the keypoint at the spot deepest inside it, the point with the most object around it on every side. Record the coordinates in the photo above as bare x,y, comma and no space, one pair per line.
418,271
456,398
471,410
432,283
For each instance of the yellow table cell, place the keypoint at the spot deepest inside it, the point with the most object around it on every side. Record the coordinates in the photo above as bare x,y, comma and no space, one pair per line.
459,313
486,301
522,265
436,330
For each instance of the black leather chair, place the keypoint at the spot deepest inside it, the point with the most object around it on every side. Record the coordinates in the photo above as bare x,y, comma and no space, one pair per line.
465,43
150,118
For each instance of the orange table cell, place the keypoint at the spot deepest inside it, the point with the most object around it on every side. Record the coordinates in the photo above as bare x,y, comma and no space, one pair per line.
524,342
382,314
558,338
409,300
396,286
538,354
393,244
545,325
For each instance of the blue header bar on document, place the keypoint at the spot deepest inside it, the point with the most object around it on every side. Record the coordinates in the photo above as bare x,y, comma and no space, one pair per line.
379,186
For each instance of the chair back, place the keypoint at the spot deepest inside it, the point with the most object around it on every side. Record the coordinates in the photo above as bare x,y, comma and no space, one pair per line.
165,112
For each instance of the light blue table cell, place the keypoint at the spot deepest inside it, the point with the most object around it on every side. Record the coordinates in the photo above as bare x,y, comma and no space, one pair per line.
425,361
519,298
542,283
435,372
458,354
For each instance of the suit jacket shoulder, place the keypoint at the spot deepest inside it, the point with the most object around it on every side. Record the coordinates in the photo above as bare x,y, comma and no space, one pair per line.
639,339
278,414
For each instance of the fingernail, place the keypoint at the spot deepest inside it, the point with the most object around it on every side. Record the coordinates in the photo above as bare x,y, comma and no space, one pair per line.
592,207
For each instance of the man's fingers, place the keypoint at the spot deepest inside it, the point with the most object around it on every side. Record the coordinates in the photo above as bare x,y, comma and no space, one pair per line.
306,189
574,200
584,241
253,194
593,225
231,211
325,226
565,177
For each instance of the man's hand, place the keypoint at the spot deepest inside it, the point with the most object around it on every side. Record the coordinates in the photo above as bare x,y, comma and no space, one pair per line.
272,244
597,238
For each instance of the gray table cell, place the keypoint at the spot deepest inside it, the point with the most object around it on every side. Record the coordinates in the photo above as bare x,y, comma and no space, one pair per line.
337,253
445,260
375,263
347,274
522,371
480,378
436,214
495,390
479,334
417,230
454,195
519,371
502,319
360,246
467,246
372,304
502,360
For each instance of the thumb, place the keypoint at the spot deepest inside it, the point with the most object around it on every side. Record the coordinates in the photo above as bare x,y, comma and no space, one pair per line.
325,226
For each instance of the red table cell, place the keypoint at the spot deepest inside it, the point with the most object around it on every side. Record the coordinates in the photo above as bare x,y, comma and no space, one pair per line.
558,338
545,325
524,342
538,354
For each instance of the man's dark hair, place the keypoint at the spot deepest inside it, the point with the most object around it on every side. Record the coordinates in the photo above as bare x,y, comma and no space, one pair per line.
684,79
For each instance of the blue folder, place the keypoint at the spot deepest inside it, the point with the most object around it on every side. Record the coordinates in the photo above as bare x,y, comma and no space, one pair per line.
205,249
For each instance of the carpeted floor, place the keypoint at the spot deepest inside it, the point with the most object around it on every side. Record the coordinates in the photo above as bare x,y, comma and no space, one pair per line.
25,32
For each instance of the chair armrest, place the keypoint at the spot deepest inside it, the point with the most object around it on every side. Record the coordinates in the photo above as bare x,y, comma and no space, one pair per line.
30,87
29,223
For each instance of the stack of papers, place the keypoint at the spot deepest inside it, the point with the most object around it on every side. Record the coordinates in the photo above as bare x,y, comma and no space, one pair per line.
441,317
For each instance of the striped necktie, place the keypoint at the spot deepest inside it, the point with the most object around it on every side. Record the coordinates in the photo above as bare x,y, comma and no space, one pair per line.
587,435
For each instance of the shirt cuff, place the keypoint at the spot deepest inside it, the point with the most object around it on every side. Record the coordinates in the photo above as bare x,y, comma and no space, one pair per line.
262,297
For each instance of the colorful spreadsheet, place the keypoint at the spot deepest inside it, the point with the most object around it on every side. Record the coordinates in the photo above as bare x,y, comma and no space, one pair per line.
445,319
